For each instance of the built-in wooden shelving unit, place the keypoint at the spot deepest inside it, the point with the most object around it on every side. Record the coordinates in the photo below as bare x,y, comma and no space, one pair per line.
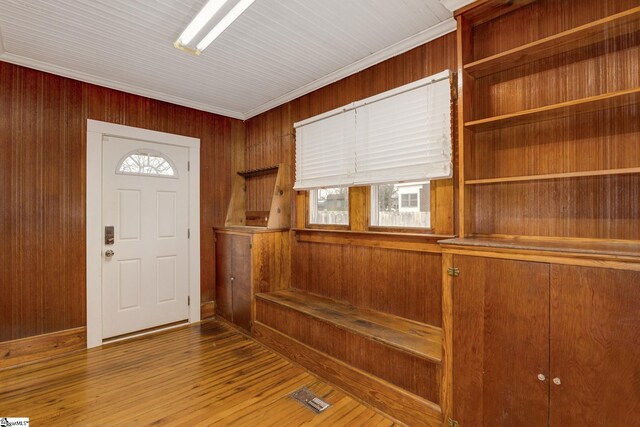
279,214
585,35
524,172
579,106
565,175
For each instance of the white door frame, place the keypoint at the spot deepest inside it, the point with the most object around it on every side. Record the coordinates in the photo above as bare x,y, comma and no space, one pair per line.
96,130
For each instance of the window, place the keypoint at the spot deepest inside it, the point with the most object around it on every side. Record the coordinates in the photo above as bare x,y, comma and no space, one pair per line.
409,200
145,162
405,205
402,135
329,206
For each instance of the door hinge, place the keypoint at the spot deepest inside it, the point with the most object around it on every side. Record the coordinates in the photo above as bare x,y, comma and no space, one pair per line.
453,271
188,166
189,300
452,423
188,233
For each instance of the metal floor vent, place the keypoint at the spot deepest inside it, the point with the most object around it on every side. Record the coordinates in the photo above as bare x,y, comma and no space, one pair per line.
310,400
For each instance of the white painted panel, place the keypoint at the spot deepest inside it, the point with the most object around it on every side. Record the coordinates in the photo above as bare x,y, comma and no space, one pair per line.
166,211
129,284
129,215
166,278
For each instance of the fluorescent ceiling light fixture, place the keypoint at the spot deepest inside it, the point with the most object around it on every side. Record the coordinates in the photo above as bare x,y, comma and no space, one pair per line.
208,11
201,19
224,23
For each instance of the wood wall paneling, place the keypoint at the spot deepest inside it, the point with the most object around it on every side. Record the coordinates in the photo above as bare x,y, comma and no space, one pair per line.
42,172
400,282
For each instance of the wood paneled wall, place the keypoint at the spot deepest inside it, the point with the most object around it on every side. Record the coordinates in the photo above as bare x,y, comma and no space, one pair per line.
42,180
381,279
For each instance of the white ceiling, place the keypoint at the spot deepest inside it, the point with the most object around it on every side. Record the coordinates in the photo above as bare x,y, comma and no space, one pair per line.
276,51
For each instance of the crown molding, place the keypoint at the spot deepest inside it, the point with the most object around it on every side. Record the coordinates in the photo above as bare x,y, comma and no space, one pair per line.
454,5
409,43
111,84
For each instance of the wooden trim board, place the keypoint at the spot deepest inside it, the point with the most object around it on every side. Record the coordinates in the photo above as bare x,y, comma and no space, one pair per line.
39,347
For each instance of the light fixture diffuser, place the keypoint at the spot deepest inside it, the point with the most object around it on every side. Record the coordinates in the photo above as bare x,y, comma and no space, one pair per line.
224,23
201,19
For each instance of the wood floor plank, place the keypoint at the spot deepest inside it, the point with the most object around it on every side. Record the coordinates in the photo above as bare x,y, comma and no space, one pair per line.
205,375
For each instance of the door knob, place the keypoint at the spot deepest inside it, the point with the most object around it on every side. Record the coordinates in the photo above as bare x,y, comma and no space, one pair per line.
109,253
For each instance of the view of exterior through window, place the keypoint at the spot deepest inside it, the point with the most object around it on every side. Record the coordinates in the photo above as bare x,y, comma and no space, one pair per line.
329,206
401,205
143,162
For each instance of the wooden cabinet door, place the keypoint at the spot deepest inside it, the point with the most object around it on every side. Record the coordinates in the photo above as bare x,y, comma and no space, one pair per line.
224,292
500,342
242,287
595,346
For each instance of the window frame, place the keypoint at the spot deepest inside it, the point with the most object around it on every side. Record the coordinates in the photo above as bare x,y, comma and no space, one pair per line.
398,230
307,216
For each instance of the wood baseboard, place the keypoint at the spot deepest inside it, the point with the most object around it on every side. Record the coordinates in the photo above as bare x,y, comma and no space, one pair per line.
394,401
32,349
207,309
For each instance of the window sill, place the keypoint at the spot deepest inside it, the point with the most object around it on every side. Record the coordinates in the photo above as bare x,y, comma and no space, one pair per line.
399,230
421,242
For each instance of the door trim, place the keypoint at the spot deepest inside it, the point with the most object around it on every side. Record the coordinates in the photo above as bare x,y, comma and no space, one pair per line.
96,130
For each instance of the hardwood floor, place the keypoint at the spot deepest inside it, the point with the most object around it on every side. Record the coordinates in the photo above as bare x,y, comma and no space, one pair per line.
203,375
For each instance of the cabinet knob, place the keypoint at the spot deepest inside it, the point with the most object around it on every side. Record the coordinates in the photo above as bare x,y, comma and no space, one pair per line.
556,381
541,377
232,279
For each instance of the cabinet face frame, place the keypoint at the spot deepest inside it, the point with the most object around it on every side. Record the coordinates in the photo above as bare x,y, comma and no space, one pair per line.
223,272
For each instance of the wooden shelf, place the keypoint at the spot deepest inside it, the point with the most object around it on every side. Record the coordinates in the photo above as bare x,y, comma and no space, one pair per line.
279,214
592,248
585,35
419,339
585,105
259,171
565,175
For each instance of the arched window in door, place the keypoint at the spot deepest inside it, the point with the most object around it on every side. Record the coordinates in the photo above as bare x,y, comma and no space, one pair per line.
147,163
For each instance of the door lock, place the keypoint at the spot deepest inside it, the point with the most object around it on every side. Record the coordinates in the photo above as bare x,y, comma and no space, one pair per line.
109,235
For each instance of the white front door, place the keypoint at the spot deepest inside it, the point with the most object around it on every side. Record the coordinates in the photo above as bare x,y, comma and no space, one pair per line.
145,198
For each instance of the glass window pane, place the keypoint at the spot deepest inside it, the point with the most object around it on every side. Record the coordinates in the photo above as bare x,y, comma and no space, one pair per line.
146,163
405,205
329,206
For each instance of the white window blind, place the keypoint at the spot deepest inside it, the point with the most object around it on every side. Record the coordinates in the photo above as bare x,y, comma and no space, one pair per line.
324,151
396,136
